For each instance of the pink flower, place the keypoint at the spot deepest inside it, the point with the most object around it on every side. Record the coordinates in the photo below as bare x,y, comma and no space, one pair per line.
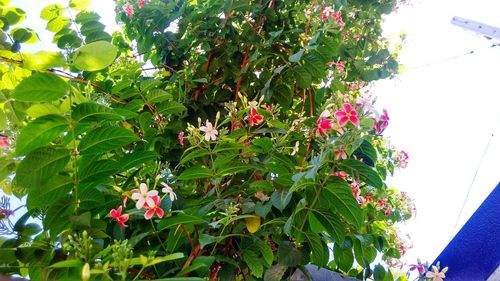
118,217
210,132
418,267
340,174
4,142
355,191
181,138
323,124
369,197
140,3
168,190
129,10
356,37
340,153
387,211
255,117
325,13
154,208
381,203
144,197
346,115
402,159
382,122
337,16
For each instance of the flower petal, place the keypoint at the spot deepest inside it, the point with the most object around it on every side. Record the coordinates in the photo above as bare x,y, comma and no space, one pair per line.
140,203
160,212
149,213
354,120
143,188
343,121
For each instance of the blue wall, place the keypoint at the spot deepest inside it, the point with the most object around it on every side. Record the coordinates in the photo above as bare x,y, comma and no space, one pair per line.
474,253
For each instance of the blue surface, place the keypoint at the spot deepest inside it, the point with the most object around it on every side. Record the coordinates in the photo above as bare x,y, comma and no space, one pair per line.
474,253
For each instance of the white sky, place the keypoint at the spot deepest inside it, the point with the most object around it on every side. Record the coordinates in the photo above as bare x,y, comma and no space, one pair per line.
443,114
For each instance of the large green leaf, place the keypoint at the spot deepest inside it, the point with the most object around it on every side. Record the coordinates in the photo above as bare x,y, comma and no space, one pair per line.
194,154
51,11
98,171
43,60
289,255
40,132
176,220
106,138
253,262
94,112
95,56
281,198
41,87
275,273
195,172
57,24
40,165
79,4
319,251
136,158
57,216
330,223
158,95
57,188
366,173
339,194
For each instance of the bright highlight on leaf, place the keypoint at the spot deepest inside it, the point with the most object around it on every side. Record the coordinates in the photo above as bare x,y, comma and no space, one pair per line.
41,87
253,224
95,56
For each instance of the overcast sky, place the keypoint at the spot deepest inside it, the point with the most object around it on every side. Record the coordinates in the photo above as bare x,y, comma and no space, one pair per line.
443,112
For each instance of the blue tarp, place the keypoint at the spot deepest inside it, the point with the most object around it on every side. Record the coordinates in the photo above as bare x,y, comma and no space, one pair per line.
474,253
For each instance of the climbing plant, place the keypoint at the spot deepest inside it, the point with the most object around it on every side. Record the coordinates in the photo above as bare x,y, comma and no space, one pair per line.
218,139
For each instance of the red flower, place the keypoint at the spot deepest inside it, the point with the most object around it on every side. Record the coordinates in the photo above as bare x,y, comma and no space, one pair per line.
4,142
255,117
340,153
129,10
156,209
340,174
347,114
387,211
355,191
323,124
118,217
140,3
369,197
181,138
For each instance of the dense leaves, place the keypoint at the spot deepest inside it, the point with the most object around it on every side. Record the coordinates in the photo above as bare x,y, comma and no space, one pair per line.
228,140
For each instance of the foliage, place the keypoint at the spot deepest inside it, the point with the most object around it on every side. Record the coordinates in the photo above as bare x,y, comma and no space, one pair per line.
226,140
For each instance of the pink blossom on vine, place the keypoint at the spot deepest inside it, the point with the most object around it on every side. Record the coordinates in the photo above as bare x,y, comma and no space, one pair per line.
140,3
180,136
118,217
144,196
4,142
129,10
168,190
402,159
340,153
355,191
322,124
387,211
154,208
381,203
369,197
210,132
255,117
341,174
382,123
347,114
325,13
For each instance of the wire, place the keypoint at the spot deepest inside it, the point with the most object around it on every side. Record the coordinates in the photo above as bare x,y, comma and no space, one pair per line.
451,58
492,135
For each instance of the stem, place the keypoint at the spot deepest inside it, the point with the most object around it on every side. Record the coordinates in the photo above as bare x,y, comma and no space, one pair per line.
138,274
158,236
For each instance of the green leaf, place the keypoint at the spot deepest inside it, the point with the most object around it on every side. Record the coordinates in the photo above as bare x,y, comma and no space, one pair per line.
330,223
297,56
40,165
41,87
181,218
40,132
158,95
320,254
67,263
343,258
233,168
195,172
171,107
71,41
13,15
302,76
379,273
3,120
89,197
253,262
280,199
106,138
98,36
43,60
57,216
42,196
79,4
367,149
289,255
365,172
315,66
94,112
275,273
57,24
136,158
86,16
51,12
95,56
266,251
193,155
261,185
23,35
339,194
98,171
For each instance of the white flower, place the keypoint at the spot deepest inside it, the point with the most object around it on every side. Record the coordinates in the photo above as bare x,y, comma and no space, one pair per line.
168,190
325,114
144,196
210,132
295,148
435,274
